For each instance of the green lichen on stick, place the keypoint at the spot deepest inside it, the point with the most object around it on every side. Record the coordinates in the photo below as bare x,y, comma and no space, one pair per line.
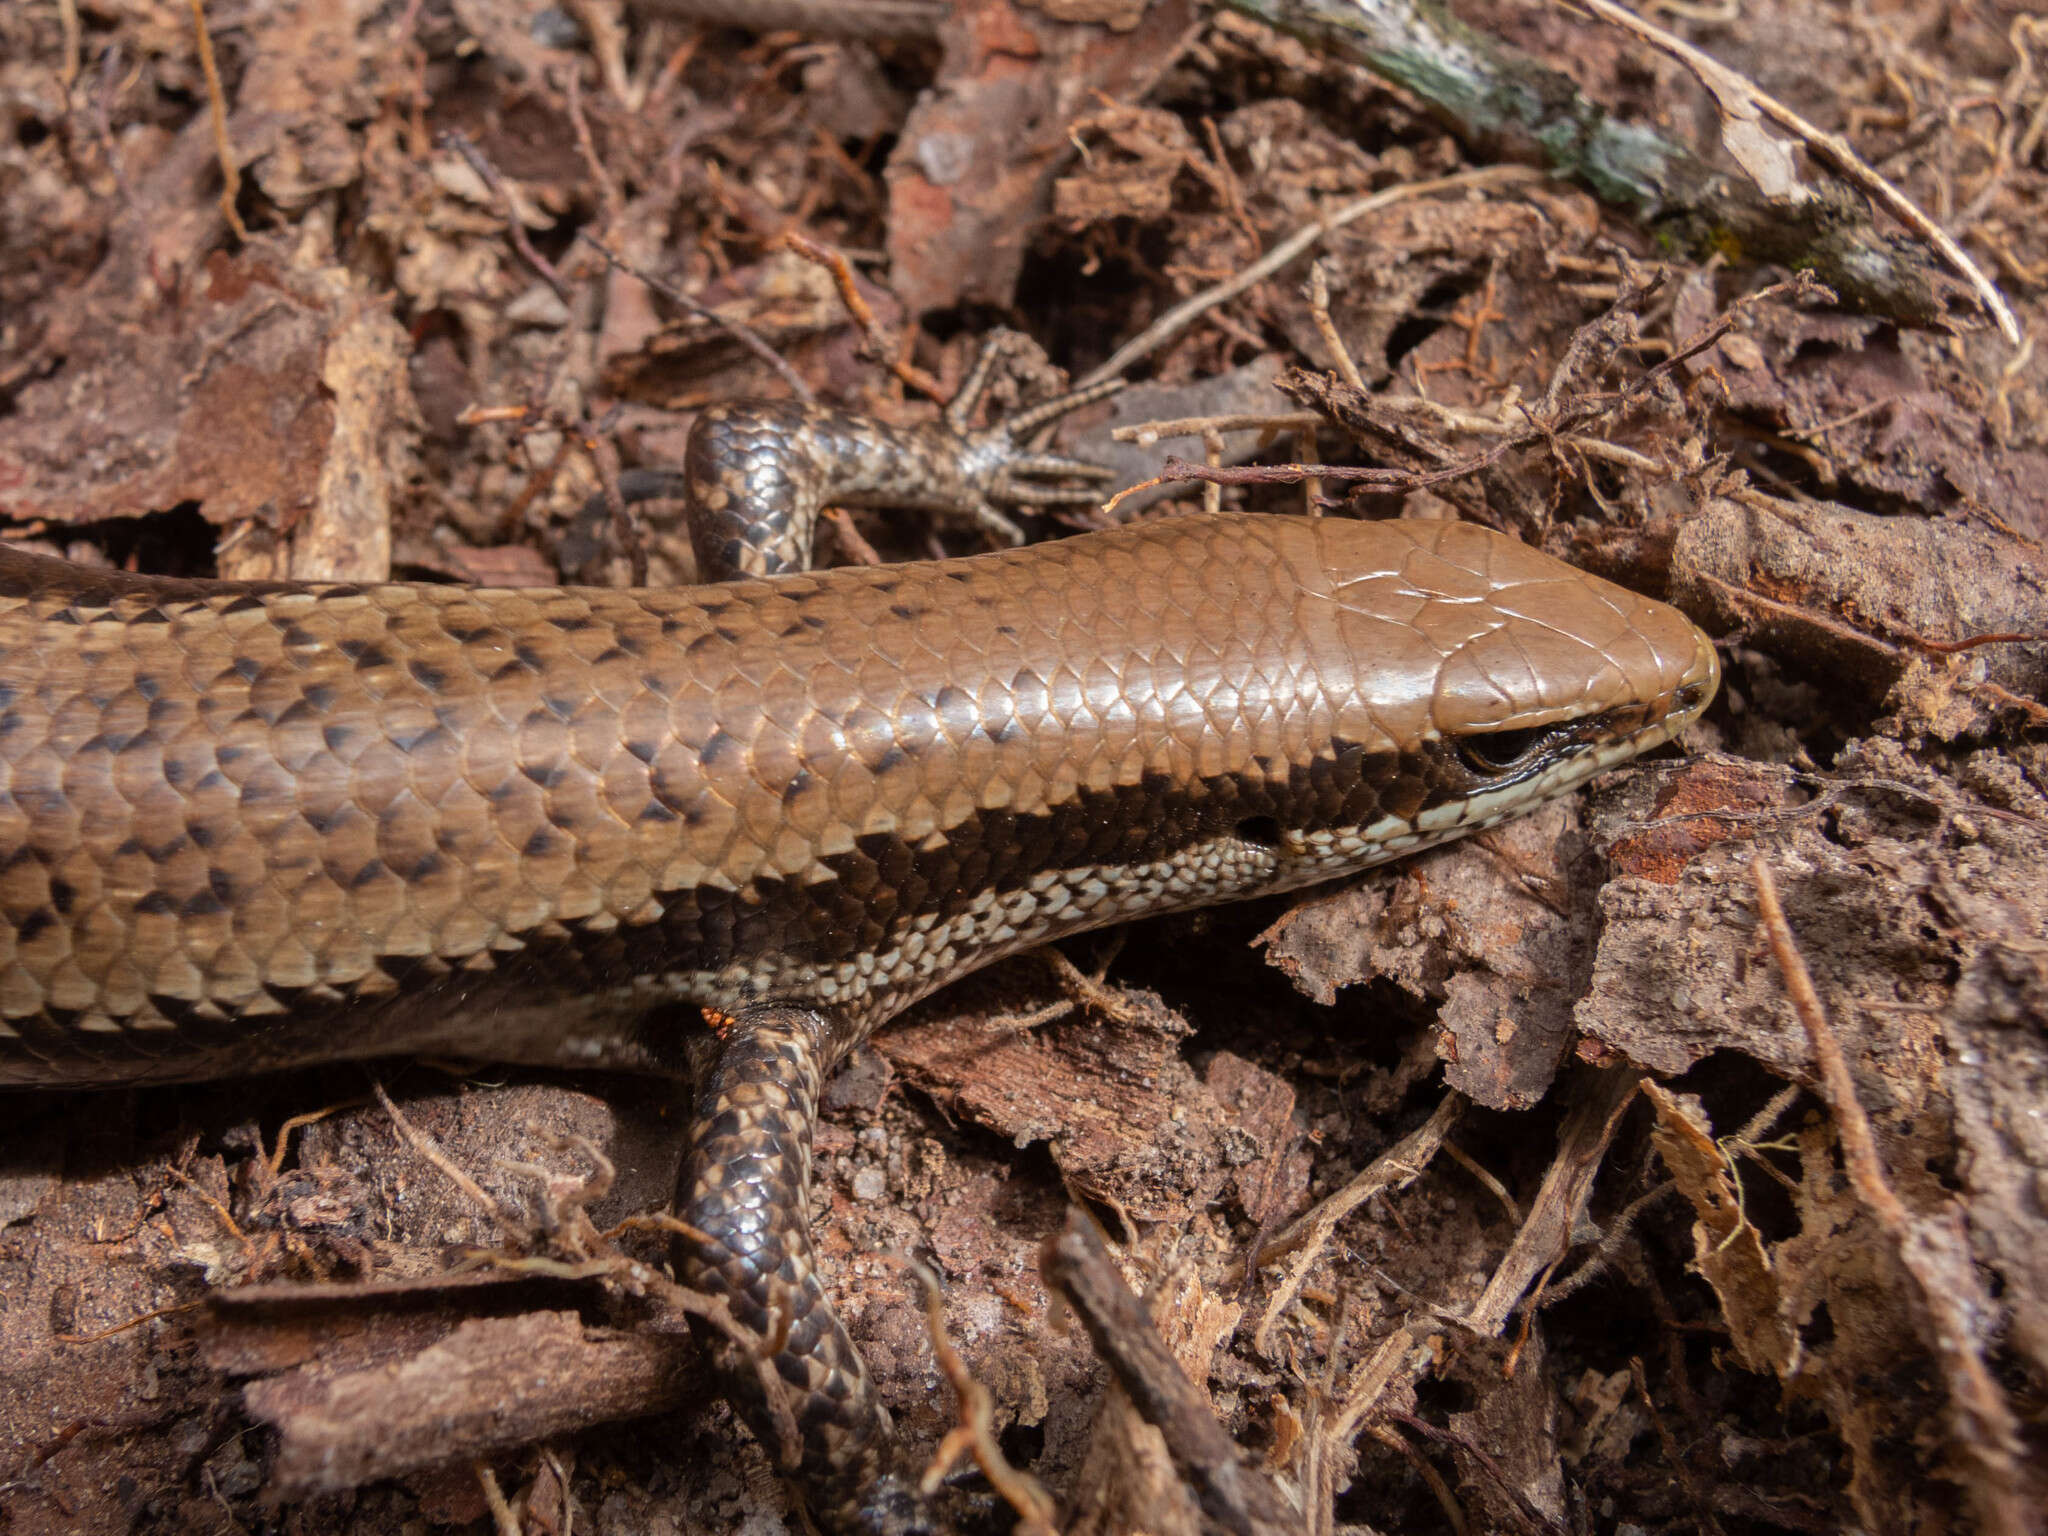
1499,100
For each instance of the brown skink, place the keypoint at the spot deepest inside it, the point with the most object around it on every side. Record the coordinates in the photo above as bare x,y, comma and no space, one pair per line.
245,827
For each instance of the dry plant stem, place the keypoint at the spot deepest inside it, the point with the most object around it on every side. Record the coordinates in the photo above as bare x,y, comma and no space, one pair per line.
1397,1167
758,1352
1748,602
230,175
609,200
503,1516
671,72
819,18
562,1474
1328,1454
1150,432
1724,83
1184,314
1002,1029
1932,1250
1107,511
1411,1348
1494,1187
2037,124
891,351
530,1399
1218,174
1530,1514
425,1147
1446,1500
1674,1456
857,550
1560,1199
103,126
1768,1116
975,1432
574,1383
1597,1263
741,332
1971,642
1552,422
515,228
1452,417
1231,1493
604,457
1212,455
1319,309
486,1385
537,485
1087,990
565,1210
134,1322
220,1211
67,16
607,44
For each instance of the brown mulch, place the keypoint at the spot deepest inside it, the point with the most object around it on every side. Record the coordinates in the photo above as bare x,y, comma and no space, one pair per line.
1504,1189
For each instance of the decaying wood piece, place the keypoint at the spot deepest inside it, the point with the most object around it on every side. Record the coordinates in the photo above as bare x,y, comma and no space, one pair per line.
1945,622
1932,1248
1231,1492
1896,879
374,1381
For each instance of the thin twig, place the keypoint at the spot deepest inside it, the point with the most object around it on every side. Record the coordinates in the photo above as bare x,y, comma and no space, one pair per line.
604,457
1728,88
273,1164
745,334
103,122
1150,432
918,19
1182,315
1859,1143
607,185
1550,423
424,1145
755,1351
1535,1517
133,1322
1498,1190
1433,1480
1089,991
1399,1165
226,1218
1561,1198
67,16
503,1516
1971,642
892,351
515,227
1232,1493
1319,311
975,1432
216,102
1598,1261
1933,1251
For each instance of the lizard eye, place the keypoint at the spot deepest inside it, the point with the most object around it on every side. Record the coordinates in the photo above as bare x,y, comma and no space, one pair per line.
1496,752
